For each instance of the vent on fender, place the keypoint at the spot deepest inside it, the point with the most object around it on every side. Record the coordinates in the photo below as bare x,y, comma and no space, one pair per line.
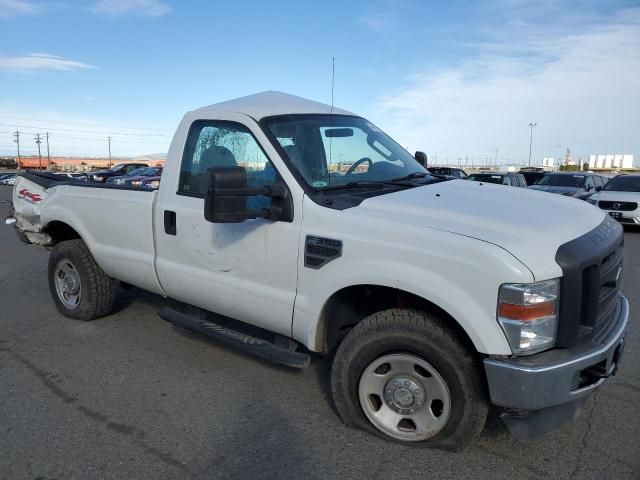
319,251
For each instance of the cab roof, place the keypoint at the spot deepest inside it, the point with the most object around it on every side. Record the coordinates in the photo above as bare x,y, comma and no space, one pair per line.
267,104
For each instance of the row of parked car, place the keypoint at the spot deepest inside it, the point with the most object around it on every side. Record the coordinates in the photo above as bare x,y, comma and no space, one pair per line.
132,174
619,196
8,179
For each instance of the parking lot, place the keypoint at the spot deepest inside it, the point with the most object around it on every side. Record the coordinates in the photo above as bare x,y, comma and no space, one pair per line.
130,396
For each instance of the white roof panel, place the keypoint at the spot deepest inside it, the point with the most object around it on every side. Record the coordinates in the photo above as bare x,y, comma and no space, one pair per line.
266,104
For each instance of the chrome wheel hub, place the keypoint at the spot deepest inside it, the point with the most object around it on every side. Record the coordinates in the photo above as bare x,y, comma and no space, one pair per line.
67,283
404,397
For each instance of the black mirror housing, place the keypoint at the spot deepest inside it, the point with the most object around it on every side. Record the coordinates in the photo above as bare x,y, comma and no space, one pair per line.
421,158
226,198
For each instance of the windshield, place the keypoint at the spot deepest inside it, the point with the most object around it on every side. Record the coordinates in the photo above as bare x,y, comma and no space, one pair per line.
575,181
330,150
486,178
623,183
149,172
135,172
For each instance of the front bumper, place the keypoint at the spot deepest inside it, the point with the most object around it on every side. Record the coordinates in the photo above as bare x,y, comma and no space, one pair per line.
625,218
558,376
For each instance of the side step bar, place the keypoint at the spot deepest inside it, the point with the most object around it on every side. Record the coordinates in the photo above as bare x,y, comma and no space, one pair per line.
282,350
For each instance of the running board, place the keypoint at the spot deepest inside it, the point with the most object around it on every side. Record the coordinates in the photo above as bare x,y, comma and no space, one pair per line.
282,350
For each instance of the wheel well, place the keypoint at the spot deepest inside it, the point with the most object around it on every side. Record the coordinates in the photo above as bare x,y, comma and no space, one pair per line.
348,306
60,231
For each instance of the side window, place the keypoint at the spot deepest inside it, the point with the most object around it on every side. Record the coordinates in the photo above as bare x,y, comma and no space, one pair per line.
589,183
222,144
597,181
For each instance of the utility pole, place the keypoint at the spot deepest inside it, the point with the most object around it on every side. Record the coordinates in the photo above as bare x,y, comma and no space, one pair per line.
495,162
16,138
109,140
48,156
38,142
531,125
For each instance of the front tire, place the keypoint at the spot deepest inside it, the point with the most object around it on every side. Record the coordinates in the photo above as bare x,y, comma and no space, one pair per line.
400,374
79,287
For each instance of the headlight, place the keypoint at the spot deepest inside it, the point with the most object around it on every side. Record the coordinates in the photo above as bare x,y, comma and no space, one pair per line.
528,315
592,201
154,184
137,183
98,178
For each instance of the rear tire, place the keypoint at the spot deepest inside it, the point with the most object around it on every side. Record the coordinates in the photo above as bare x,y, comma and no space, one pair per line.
79,287
401,375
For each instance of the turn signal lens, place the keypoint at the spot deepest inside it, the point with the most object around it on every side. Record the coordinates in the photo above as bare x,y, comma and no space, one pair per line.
528,315
526,312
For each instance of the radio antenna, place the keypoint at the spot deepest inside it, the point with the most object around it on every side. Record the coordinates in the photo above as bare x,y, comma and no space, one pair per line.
333,80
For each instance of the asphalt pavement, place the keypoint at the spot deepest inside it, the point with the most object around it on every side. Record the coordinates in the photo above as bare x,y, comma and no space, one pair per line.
131,397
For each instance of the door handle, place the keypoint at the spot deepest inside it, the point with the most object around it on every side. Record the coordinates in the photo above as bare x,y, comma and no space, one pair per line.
169,222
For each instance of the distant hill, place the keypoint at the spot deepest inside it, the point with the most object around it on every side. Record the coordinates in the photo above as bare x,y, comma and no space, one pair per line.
150,157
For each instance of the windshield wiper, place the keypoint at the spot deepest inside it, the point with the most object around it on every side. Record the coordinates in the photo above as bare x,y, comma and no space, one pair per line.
359,184
410,176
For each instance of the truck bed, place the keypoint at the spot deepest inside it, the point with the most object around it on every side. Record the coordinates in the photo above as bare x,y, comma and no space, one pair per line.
116,222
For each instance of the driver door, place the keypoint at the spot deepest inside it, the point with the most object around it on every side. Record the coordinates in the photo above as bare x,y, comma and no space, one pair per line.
247,270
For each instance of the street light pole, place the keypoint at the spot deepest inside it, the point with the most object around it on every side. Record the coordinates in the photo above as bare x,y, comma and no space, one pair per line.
531,125
109,140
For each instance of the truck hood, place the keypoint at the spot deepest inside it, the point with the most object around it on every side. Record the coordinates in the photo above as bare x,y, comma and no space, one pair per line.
530,225
554,189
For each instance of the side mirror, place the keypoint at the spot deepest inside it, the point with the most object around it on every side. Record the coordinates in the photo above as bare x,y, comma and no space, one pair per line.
421,158
226,198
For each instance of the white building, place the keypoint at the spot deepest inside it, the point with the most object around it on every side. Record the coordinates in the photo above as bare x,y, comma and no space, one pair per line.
610,161
549,162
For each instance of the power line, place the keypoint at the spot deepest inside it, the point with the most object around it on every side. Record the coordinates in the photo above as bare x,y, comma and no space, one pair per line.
89,131
84,124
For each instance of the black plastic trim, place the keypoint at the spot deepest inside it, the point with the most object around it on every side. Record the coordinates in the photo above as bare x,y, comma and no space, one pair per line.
580,260
48,180
318,251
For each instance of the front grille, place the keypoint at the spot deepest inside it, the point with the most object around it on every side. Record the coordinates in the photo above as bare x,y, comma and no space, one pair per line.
591,269
621,206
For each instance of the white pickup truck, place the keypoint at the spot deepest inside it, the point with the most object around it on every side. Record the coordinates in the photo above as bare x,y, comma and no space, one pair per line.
305,228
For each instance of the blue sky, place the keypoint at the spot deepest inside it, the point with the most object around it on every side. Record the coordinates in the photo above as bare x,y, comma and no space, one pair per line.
457,79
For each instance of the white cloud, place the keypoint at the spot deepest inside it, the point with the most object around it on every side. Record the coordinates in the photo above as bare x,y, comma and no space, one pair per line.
580,87
39,61
116,8
11,8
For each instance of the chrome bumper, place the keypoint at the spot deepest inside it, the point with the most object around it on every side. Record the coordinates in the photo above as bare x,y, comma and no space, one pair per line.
557,376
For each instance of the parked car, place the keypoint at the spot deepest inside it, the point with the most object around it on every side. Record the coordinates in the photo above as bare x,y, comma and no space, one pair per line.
151,182
512,179
73,175
120,169
570,184
121,179
9,179
433,298
448,171
147,173
620,198
532,174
